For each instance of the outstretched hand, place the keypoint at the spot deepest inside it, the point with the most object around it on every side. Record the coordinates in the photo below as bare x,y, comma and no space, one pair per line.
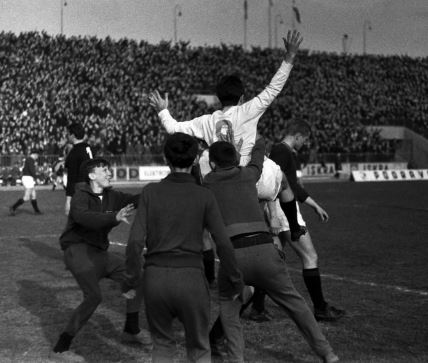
292,44
124,213
130,294
156,101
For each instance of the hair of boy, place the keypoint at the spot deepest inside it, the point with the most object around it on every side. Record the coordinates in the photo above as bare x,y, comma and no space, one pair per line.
298,127
229,90
88,166
77,130
223,154
181,150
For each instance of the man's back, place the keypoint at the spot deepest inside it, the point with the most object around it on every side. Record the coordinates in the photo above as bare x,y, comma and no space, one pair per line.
77,155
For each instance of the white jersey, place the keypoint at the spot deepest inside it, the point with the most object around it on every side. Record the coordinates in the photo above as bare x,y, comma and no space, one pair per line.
238,124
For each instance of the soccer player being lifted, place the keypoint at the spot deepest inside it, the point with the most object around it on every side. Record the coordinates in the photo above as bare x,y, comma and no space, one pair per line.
237,122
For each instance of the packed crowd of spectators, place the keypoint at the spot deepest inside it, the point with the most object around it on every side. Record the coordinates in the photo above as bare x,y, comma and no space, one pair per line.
48,82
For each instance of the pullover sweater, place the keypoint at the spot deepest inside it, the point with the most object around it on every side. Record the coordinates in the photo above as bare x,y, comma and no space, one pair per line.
237,124
170,220
236,194
285,157
91,219
77,155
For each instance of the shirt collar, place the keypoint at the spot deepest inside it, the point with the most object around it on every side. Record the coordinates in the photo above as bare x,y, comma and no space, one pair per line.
180,178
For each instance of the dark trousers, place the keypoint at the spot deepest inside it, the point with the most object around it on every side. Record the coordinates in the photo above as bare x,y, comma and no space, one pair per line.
89,265
182,293
263,266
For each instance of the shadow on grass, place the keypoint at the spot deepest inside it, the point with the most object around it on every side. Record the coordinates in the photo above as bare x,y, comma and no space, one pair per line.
42,249
94,341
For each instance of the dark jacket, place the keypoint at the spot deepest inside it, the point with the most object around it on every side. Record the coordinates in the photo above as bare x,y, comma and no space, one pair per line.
90,219
236,193
170,221
77,155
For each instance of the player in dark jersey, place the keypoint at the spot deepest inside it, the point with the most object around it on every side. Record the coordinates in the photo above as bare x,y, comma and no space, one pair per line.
285,155
80,152
29,183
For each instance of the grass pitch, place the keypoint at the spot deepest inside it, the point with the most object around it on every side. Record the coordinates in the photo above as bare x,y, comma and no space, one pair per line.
372,254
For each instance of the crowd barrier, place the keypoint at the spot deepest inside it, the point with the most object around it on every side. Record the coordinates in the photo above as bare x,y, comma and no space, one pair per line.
389,175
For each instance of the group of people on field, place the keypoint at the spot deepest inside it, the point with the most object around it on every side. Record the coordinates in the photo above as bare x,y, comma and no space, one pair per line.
229,194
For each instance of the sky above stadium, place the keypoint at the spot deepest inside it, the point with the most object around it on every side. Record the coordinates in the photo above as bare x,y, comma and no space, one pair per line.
391,26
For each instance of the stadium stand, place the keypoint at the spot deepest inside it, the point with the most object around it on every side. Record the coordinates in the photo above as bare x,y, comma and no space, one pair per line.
48,82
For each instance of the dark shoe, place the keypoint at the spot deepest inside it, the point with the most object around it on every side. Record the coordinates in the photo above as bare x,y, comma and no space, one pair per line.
330,313
217,348
143,338
38,212
12,211
259,317
296,234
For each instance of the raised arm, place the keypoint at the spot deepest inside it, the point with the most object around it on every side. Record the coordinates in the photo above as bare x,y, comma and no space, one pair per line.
257,157
262,101
196,127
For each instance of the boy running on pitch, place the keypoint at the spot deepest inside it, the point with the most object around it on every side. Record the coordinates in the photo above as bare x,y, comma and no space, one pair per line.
95,209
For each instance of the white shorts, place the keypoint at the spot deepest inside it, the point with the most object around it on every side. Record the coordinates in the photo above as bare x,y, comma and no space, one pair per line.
285,227
28,181
269,184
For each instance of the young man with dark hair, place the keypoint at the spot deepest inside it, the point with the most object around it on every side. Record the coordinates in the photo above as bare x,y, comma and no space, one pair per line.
261,264
29,183
95,209
237,123
170,220
285,155
80,152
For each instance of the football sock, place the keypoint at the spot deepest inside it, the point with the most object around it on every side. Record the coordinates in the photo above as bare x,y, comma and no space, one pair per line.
132,323
63,343
290,211
19,202
259,300
209,265
35,206
312,280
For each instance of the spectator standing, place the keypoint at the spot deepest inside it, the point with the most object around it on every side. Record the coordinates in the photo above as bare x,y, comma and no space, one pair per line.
80,152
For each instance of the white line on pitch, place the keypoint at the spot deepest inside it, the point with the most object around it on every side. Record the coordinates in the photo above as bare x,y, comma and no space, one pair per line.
328,276
371,284
32,236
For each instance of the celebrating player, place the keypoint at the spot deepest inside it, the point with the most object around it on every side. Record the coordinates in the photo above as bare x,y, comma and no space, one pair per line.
237,122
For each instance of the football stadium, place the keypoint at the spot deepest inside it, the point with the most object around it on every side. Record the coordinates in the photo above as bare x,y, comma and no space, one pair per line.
88,115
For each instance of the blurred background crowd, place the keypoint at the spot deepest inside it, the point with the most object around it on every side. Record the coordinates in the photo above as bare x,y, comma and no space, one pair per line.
48,82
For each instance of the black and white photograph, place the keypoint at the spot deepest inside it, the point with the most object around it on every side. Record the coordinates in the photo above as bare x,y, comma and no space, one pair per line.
225,181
